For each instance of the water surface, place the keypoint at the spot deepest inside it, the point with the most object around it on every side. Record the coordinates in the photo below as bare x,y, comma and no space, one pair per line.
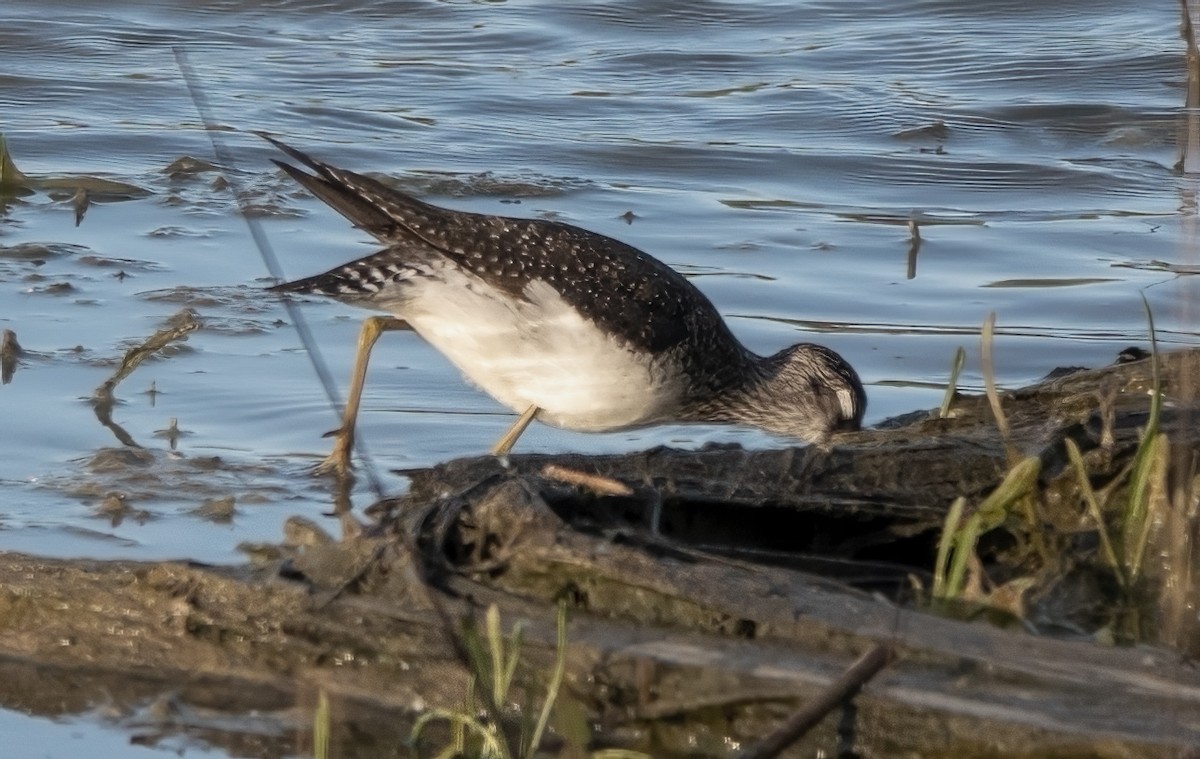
774,151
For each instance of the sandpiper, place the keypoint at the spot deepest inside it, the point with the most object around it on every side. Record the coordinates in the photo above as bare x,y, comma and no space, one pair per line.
557,323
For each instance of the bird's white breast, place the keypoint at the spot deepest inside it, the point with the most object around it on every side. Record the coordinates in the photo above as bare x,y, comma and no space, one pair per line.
539,351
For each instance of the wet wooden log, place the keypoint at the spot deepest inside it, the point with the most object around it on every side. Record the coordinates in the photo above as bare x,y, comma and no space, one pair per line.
171,647
694,637
909,469
874,499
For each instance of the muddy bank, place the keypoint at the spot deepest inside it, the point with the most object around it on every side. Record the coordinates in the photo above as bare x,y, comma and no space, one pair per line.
723,590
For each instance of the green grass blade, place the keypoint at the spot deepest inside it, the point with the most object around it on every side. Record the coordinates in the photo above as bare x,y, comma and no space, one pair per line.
956,367
1019,481
495,639
488,736
1155,472
1093,506
988,366
480,667
458,733
515,643
958,538
1137,506
963,548
321,727
945,542
560,666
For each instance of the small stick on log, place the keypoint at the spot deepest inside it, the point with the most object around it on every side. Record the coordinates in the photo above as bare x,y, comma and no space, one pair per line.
808,716
596,483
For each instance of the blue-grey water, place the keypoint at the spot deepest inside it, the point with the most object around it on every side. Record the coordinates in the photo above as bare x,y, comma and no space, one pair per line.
772,150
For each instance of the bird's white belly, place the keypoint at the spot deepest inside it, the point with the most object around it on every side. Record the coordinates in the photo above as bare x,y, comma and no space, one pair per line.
541,352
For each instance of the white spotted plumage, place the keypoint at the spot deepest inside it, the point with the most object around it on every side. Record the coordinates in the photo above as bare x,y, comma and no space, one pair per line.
595,333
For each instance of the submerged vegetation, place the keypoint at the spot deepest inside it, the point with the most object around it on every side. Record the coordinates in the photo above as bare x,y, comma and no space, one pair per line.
78,189
10,175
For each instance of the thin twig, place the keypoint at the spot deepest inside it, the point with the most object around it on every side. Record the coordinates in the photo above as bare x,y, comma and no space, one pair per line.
596,483
808,716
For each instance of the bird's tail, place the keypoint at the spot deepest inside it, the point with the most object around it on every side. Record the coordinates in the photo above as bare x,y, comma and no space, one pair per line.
382,211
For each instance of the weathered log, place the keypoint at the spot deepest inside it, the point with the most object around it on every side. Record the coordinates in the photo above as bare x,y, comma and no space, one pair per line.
872,506
673,648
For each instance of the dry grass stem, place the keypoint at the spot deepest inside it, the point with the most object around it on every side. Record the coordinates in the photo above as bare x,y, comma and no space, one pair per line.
604,486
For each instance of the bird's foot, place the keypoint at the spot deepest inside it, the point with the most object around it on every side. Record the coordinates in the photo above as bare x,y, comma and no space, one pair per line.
338,463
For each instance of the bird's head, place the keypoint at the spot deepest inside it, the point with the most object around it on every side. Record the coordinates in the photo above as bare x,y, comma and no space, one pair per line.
806,392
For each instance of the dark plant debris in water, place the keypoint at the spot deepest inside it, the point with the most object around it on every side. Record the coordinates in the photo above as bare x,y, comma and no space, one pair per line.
10,354
78,189
177,328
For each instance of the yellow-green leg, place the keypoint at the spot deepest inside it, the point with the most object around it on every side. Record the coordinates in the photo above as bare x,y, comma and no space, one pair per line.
338,460
505,444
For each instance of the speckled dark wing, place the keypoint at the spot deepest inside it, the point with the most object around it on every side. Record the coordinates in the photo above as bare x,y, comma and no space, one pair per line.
623,290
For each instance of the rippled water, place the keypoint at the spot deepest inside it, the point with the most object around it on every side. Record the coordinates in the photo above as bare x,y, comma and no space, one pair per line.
772,150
